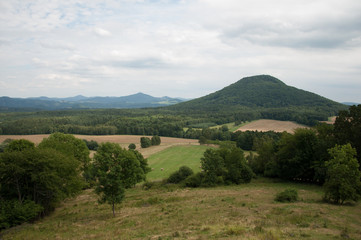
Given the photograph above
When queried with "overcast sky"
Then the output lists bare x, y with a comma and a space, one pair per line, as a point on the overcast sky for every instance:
186, 48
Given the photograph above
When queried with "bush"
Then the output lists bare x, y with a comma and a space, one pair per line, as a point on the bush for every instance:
195, 180
288, 195
132, 146
13, 212
180, 175
145, 142
155, 140
92, 145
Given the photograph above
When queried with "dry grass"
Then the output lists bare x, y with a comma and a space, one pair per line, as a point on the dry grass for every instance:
230, 212
265, 125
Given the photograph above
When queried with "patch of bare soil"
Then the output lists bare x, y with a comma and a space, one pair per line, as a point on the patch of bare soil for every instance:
265, 125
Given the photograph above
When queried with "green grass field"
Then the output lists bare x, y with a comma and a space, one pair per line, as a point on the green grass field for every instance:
172, 158
229, 212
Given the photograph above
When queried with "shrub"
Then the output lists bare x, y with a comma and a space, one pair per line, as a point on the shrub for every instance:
195, 180
155, 140
145, 142
288, 195
13, 212
92, 145
180, 175
132, 146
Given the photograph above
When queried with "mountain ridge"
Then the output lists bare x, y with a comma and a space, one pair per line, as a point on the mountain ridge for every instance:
137, 100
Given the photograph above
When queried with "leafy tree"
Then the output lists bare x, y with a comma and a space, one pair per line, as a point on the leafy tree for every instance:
155, 140
19, 145
145, 142
348, 128
296, 155
68, 145
92, 145
213, 166
343, 176
237, 170
116, 169
36, 179
132, 146
72, 147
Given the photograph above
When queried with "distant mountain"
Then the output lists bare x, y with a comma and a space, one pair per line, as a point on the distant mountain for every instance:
350, 103
138, 100
263, 96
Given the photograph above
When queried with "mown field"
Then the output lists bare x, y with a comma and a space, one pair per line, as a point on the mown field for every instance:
230, 212
264, 125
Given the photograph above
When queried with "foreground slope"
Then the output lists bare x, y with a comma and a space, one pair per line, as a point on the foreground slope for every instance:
229, 212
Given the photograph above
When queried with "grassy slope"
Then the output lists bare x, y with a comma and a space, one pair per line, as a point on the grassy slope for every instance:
230, 212
172, 158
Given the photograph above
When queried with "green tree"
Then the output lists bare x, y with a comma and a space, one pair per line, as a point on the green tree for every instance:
132, 146
237, 170
19, 145
348, 128
145, 142
37, 179
116, 169
213, 166
343, 176
155, 140
72, 147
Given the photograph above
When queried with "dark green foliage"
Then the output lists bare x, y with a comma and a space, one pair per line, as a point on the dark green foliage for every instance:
194, 180
288, 195
117, 169
13, 213
348, 128
19, 145
34, 180
155, 140
343, 175
145, 142
226, 165
92, 145
4, 144
71, 147
132, 146
180, 175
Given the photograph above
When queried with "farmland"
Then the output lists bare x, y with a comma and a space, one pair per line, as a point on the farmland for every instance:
264, 125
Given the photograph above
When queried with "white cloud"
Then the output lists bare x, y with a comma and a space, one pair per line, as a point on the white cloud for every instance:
177, 48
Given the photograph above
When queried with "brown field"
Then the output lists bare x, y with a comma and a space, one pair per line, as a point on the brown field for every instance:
123, 140
264, 125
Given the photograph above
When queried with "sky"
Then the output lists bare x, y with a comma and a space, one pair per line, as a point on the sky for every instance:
177, 48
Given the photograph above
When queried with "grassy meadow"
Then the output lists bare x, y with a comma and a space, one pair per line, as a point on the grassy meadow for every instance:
229, 212
174, 157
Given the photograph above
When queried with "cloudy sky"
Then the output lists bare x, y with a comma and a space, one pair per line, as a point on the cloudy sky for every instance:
178, 48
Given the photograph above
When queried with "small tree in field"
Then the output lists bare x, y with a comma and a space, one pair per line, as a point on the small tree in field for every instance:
117, 169
145, 142
343, 176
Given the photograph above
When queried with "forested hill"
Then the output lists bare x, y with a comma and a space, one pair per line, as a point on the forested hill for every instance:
263, 96
261, 91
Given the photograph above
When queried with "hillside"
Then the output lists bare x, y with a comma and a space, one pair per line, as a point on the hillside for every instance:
263, 96
139, 100
262, 91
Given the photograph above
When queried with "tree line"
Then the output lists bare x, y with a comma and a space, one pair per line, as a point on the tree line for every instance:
35, 179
